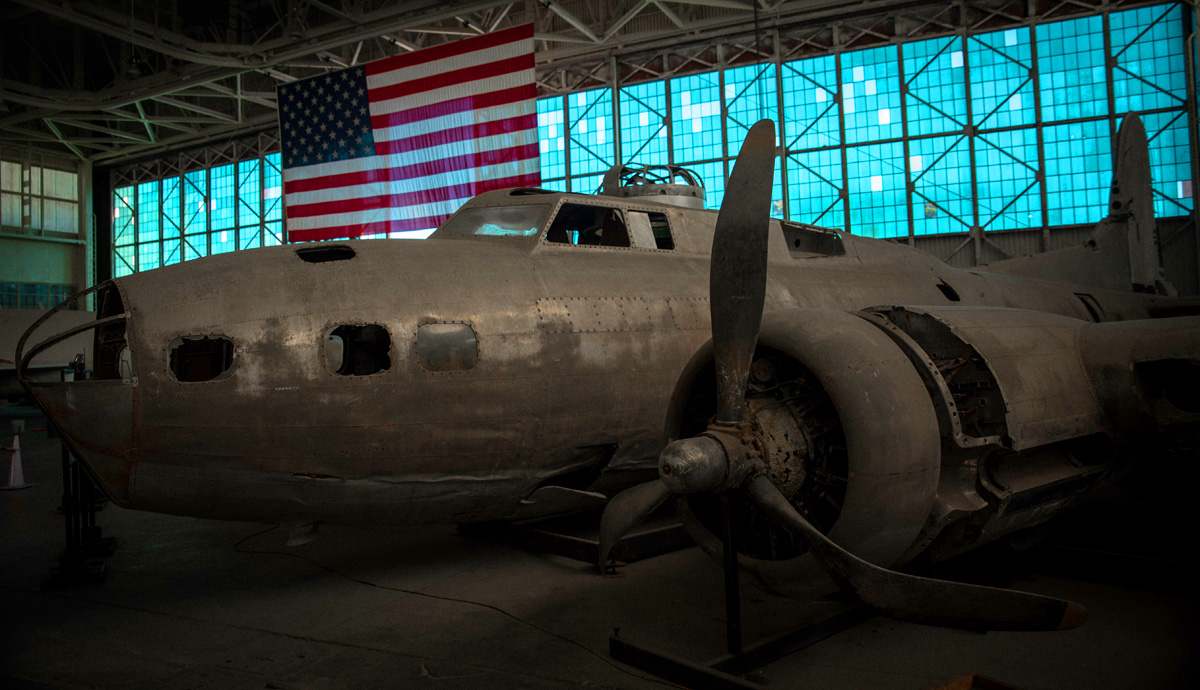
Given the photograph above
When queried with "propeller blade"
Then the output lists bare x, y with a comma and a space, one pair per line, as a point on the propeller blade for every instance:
627, 510
738, 279
919, 599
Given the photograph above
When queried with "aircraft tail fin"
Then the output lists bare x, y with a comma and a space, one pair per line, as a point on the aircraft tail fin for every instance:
1123, 251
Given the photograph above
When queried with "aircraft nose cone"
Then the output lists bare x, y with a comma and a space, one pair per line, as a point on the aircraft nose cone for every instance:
96, 419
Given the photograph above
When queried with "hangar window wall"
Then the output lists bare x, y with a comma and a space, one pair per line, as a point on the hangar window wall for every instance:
1003, 130
203, 212
42, 202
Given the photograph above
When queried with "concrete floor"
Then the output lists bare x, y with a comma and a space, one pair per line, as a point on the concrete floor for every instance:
201, 604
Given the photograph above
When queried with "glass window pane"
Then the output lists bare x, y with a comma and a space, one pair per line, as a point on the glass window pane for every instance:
148, 228
1071, 69
1170, 162
1001, 78
223, 241
871, 95
696, 118
1006, 165
1078, 172
878, 201
940, 170
749, 97
644, 123
10, 176
553, 136
810, 108
815, 188
249, 195
122, 261
148, 255
123, 216
713, 175
10, 210
591, 130
221, 201
935, 72
1149, 71
272, 188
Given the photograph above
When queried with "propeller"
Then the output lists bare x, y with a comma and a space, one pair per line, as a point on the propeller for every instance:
726, 457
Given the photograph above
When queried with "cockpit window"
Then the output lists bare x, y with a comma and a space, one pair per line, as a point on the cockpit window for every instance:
523, 220
196, 358
580, 224
358, 350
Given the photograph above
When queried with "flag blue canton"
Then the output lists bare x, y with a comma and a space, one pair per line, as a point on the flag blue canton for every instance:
326, 118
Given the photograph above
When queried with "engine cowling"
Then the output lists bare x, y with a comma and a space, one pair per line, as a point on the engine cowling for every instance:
907, 430
863, 440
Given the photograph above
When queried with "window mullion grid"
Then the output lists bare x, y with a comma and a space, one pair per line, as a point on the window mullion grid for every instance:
910, 183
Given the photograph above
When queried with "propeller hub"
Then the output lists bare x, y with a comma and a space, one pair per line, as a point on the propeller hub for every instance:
693, 465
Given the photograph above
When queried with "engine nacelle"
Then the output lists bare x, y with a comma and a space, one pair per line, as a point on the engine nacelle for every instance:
861, 434
945, 427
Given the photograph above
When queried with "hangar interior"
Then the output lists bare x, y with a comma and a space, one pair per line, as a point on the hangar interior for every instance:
140, 135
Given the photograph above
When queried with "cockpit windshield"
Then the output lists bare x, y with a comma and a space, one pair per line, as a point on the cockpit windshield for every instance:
522, 220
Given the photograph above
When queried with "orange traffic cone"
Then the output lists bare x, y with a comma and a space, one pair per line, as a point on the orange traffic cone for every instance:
16, 472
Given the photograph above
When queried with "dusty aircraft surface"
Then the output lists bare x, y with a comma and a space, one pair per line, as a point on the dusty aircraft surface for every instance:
868, 402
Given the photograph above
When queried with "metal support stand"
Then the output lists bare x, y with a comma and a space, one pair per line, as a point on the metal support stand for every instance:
722, 672
82, 561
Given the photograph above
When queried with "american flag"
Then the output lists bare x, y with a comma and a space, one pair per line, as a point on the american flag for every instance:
400, 143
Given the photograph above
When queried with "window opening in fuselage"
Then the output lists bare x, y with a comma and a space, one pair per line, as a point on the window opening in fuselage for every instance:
579, 224
354, 350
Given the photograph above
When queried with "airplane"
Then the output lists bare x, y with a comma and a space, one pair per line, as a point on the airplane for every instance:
865, 402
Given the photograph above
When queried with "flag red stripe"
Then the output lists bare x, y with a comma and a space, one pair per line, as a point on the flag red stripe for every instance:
486, 70
420, 196
340, 232
484, 100
407, 172
448, 50
448, 136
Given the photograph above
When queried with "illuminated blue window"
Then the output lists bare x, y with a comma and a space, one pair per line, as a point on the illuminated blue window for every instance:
750, 96
171, 231
195, 215
1170, 162
249, 204
871, 95
1006, 164
591, 131
878, 199
222, 199
644, 123
1078, 172
1071, 69
124, 203
272, 188
553, 137
935, 73
1150, 66
810, 108
149, 226
713, 175
556, 185
696, 118
123, 261
940, 170
1002, 79
815, 188
587, 184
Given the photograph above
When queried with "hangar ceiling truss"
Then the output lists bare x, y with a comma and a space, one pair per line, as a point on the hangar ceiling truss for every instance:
111, 81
